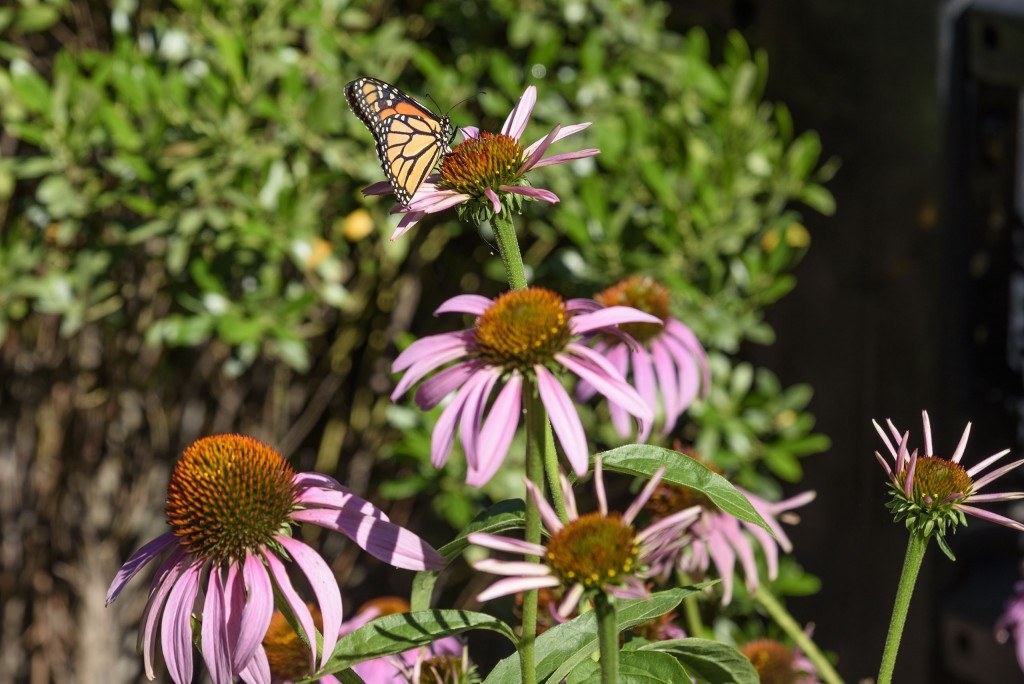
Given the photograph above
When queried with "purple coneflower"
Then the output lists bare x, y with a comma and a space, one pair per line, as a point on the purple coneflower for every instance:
719, 538
595, 552
520, 335
1011, 623
231, 503
288, 656
934, 493
669, 362
777, 663
487, 168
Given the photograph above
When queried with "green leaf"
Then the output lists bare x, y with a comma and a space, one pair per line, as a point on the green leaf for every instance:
501, 517
402, 631
711, 661
680, 469
639, 667
564, 646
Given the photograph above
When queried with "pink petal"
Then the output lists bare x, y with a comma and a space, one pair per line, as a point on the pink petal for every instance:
643, 377
666, 374
216, 650
515, 124
564, 132
321, 579
473, 414
725, 562
928, 451
495, 202
683, 334
992, 517
234, 604
564, 419
885, 439
986, 463
407, 222
580, 324
565, 157
259, 609
470, 132
294, 601
617, 390
547, 513
472, 304
136, 562
996, 474
443, 436
512, 568
537, 151
257, 671
436, 202
497, 542
602, 496
498, 431
642, 499
386, 541
570, 600
444, 382
426, 348
958, 454
533, 193
176, 625
514, 585
379, 188
166, 577
336, 496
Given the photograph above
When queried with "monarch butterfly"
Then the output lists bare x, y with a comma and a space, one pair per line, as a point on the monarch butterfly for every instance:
410, 138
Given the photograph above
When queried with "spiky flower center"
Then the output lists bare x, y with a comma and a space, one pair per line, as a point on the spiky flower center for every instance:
936, 479
229, 495
491, 160
639, 292
593, 550
772, 660
669, 498
523, 328
287, 655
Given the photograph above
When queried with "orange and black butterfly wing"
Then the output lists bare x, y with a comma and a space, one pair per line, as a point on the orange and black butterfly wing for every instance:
410, 138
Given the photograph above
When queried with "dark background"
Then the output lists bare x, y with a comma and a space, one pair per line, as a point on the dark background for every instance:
903, 304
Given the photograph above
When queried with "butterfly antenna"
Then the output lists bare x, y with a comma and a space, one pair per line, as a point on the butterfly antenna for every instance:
471, 97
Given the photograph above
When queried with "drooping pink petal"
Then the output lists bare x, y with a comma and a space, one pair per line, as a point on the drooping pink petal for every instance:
324, 585
532, 157
136, 562
665, 371
514, 585
563, 132
515, 124
176, 625
564, 419
234, 604
473, 415
214, 637
725, 561
474, 305
258, 610
435, 354
507, 544
294, 601
565, 157
683, 334
257, 671
166, 577
643, 377
493, 197
532, 193
583, 304
323, 491
437, 201
386, 541
435, 388
497, 432
443, 436
615, 389
407, 222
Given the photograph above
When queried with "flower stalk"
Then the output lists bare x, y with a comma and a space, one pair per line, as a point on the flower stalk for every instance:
803, 641
508, 248
608, 637
908, 577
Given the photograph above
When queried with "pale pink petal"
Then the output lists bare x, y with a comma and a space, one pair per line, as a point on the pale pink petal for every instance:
257, 671
176, 625
602, 497
436, 201
472, 304
337, 496
1005, 496
214, 633
578, 304
386, 541
532, 193
885, 466
683, 334
644, 496
470, 132
615, 389
514, 585
444, 382
995, 475
324, 585
498, 431
512, 568
137, 561
928, 451
234, 603
419, 370
259, 609
443, 436
294, 601
568, 497
665, 371
885, 439
565, 157
515, 124
643, 378
570, 600
407, 222
497, 542
992, 517
986, 463
547, 513
959, 447
583, 323
725, 562
493, 197
427, 348
166, 577
564, 132
533, 156
564, 419
473, 415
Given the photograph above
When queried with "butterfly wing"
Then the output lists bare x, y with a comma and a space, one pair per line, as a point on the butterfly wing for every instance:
410, 138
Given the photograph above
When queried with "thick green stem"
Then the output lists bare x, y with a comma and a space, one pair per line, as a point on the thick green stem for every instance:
792, 628
508, 247
607, 638
535, 420
911, 566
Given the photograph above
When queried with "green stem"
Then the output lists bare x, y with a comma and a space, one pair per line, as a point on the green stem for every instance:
911, 566
607, 637
508, 247
535, 473
792, 628
551, 468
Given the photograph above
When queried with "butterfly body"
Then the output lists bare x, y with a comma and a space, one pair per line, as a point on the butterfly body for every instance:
410, 138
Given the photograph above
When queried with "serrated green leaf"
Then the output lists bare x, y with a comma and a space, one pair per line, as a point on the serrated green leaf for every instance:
680, 469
